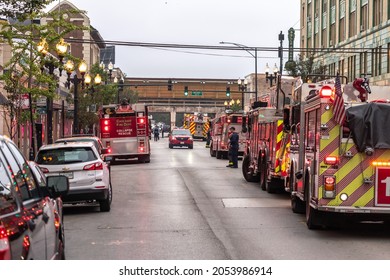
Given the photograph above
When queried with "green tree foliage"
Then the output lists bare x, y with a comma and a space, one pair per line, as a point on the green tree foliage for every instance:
20, 10
304, 67
27, 71
94, 96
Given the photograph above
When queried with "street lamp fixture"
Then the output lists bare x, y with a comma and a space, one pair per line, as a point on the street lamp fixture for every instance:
43, 49
242, 86
271, 77
110, 68
76, 80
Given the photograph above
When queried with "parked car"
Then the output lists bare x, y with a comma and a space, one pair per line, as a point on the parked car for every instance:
31, 225
86, 138
89, 175
181, 137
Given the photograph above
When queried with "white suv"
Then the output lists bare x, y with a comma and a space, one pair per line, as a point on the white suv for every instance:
89, 175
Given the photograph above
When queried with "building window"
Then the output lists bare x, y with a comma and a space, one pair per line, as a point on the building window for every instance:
341, 67
376, 60
352, 24
342, 21
332, 11
377, 12
363, 63
364, 16
351, 67
388, 58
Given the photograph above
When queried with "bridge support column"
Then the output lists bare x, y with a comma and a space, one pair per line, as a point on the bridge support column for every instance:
173, 117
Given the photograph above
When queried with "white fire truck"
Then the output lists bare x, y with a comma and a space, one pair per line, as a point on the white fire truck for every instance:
124, 129
219, 134
339, 171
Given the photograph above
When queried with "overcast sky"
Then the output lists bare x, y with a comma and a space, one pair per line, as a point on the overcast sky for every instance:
254, 23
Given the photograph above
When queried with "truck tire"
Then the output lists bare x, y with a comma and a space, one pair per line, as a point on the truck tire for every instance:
297, 205
262, 173
218, 154
312, 215
275, 185
248, 174
212, 152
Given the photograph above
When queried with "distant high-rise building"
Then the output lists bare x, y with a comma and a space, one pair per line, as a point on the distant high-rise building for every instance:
349, 36
107, 55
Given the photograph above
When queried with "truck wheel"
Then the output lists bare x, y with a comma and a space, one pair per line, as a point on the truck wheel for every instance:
170, 146
312, 215
274, 185
263, 173
297, 205
212, 152
247, 173
218, 154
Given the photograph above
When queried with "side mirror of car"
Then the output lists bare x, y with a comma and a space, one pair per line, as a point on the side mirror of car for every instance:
57, 185
105, 151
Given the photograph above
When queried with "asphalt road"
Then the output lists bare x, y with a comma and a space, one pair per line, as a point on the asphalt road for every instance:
186, 205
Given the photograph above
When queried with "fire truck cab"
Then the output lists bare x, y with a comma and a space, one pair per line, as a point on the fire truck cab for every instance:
339, 171
124, 129
219, 134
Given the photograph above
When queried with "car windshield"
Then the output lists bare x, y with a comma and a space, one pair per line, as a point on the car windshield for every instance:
65, 156
181, 132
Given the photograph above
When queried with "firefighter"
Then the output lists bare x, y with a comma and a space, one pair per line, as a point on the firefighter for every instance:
233, 148
208, 137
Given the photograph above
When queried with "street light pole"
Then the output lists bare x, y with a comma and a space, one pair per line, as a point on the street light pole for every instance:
246, 48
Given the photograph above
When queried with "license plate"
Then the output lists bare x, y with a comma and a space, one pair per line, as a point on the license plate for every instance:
67, 174
181, 143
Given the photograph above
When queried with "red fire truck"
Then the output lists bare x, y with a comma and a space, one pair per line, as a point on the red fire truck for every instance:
339, 171
267, 148
124, 129
219, 135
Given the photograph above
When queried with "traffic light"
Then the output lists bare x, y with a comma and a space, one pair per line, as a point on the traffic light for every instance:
228, 91
169, 84
185, 90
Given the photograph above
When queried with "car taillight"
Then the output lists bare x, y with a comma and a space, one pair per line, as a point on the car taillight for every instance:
94, 166
57, 220
44, 169
5, 250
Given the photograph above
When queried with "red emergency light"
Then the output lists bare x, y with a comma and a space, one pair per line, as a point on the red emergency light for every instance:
141, 120
331, 160
326, 92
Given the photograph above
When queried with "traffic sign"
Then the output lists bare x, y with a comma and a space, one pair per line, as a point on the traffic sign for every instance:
382, 191
196, 93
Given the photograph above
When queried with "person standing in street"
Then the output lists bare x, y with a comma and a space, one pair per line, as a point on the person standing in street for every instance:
233, 148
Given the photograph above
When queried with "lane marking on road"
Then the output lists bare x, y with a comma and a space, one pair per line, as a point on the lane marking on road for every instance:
255, 202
